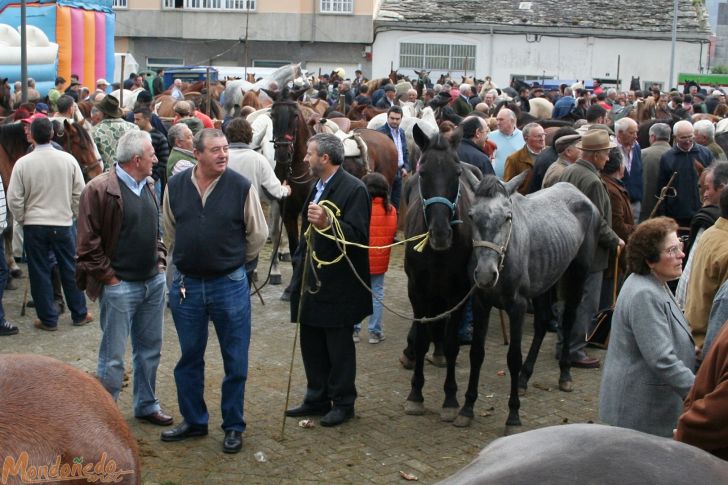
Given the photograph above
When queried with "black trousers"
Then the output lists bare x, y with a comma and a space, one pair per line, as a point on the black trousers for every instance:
329, 358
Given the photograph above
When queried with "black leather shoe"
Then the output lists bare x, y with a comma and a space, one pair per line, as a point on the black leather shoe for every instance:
307, 409
337, 416
158, 418
182, 432
233, 441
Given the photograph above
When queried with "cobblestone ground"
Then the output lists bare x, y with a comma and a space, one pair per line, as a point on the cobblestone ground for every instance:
372, 448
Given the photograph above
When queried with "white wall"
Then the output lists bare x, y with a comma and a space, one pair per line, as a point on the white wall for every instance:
559, 57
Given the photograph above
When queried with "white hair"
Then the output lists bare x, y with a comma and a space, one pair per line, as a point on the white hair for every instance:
130, 145
681, 124
623, 124
705, 128
464, 87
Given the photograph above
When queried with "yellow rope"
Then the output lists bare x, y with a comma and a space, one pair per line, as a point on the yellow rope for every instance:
335, 232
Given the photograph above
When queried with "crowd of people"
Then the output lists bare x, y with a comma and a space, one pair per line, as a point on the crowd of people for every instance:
164, 199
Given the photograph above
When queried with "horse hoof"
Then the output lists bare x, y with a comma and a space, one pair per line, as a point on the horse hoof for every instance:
276, 279
286, 258
406, 362
286, 296
448, 414
16, 273
437, 360
462, 421
512, 429
566, 386
413, 408
521, 391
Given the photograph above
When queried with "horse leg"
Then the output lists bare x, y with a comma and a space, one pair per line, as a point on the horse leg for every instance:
515, 315
452, 347
276, 226
575, 278
291, 224
415, 401
541, 312
481, 314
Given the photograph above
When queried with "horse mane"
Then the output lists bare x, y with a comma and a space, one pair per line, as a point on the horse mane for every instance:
13, 140
490, 187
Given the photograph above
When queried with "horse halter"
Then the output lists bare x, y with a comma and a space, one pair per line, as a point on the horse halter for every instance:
501, 250
440, 200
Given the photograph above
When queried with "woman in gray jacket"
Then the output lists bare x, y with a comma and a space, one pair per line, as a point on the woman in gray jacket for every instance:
650, 363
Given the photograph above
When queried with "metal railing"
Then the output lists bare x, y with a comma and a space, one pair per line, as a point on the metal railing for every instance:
120, 4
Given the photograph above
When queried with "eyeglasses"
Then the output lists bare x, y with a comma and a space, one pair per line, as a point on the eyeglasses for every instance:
676, 249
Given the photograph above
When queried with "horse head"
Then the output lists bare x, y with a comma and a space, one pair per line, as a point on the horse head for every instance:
439, 186
76, 140
290, 131
492, 216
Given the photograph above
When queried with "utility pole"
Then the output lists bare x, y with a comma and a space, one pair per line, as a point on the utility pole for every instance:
23, 52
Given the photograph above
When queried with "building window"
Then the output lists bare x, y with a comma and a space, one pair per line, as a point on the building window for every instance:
337, 6
239, 5
120, 4
440, 57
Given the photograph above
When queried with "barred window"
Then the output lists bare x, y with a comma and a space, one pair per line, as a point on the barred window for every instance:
208, 4
440, 57
120, 4
337, 6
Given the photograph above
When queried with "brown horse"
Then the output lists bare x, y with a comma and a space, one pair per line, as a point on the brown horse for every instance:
60, 419
290, 136
74, 139
6, 99
13, 145
252, 99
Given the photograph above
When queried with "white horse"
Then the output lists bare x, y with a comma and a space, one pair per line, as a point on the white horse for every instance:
235, 90
130, 98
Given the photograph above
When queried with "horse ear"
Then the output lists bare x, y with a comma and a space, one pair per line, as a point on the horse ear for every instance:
272, 94
516, 182
421, 139
455, 139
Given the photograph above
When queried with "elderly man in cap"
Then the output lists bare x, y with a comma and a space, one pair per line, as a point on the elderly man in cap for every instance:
568, 155
389, 99
107, 133
584, 175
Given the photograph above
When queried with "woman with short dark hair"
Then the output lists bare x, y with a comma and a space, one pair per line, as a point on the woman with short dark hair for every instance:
650, 362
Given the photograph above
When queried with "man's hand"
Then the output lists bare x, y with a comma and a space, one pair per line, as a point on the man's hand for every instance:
317, 216
288, 188
621, 243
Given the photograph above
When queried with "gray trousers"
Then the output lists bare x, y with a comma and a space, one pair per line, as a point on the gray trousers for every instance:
588, 307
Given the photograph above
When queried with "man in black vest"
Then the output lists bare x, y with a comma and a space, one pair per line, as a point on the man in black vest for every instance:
121, 258
327, 314
214, 218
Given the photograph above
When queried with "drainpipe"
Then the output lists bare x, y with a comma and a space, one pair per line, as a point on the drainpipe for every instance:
313, 22
490, 60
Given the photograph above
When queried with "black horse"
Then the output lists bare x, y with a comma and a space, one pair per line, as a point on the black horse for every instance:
438, 198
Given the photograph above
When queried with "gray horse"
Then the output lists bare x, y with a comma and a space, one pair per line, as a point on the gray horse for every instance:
522, 247
590, 453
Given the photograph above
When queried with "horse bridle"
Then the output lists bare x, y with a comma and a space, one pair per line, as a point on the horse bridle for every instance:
501, 250
440, 200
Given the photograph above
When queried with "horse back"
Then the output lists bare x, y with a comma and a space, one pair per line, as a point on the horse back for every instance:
51, 409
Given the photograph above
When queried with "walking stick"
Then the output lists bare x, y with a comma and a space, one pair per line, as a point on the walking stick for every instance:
25, 296
663, 194
503, 327
304, 277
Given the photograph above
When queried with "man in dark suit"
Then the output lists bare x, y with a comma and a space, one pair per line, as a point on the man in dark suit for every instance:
461, 106
389, 99
393, 131
327, 311
475, 131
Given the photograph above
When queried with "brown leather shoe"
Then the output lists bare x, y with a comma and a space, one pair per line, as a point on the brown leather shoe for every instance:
42, 326
86, 320
586, 363
158, 418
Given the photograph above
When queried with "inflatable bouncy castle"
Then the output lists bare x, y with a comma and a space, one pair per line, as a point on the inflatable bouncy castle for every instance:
63, 37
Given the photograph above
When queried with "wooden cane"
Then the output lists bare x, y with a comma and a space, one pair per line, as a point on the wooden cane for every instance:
25, 296
503, 327
663, 194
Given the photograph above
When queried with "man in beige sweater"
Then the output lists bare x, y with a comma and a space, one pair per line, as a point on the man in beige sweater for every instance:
43, 197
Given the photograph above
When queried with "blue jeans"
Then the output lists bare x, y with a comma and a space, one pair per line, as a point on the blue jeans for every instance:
226, 301
133, 308
375, 320
38, 242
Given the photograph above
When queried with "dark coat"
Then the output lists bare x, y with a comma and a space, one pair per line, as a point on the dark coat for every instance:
341, 300
403, 140
469, 152
633, 179
622, 218
687, 202
462, 107
542, 164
